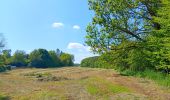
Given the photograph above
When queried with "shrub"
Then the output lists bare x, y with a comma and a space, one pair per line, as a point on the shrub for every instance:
95, 62
3, 68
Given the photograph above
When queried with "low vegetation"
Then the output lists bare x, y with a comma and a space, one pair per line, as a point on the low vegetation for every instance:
102, 88
160, 78
76, 83
4, 97
45, 77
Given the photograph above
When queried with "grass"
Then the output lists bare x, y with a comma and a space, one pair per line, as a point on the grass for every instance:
42, 95
73, 83
158, 77
4, 97
101, 87
44, 77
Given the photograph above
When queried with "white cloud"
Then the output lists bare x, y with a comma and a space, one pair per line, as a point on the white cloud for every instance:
57, 25
75, 46
78, 46
79, 51
28, 51
77, 27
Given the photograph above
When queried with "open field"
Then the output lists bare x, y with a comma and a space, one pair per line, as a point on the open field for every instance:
75, 83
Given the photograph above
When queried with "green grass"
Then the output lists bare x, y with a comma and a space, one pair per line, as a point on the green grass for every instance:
4, 97
158, 77
101, 87
92, 89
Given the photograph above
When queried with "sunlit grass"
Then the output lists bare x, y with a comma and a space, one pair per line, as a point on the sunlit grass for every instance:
71, 84
4, 97
42, 95
101, 87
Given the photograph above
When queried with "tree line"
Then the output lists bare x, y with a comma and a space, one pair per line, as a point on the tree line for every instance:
131, 34
38, 58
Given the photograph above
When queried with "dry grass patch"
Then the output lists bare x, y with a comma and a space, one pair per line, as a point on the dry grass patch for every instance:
45, 77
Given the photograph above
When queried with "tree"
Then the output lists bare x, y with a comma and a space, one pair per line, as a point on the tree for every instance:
115, 20
40, 58
67, 59
2, 41
19, 59
6, 54
134, 32
2, 45
159, 40
55, 59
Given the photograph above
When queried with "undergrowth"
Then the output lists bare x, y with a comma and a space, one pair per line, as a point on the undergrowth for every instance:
160, 78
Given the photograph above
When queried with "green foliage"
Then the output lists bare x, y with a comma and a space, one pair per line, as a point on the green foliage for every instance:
115, 20
102, 88
67, 59
3, 68
3, 97
159, 40
40, 58
160, 78
131, 34
6, 55
55, 59
19, 59
95, 62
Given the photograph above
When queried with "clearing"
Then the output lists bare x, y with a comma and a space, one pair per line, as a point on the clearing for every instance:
76, 83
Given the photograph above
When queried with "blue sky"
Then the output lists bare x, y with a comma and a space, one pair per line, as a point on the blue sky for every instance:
49, 24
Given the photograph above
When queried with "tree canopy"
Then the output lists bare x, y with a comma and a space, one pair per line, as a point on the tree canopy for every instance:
135, 33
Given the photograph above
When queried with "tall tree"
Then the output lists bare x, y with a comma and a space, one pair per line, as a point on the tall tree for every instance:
159, 40
40, 58
67, 59
134, 32
19, 59
6, 54
115, 20
55, 59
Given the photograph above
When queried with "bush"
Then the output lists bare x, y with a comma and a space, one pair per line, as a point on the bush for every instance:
160, 78
4, 97
95, 62
3, 68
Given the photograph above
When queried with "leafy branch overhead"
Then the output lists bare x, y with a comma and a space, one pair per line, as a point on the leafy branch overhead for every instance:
115, 20
131, 30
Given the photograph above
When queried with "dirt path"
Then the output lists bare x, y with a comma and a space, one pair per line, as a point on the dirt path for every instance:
74, 84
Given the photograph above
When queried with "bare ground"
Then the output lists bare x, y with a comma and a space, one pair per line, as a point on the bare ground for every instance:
70, 83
